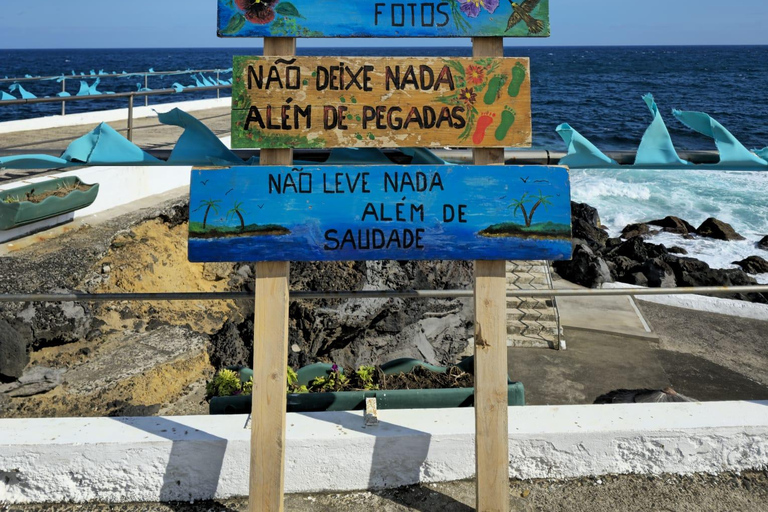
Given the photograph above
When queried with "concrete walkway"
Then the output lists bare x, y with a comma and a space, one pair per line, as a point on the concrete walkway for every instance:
148, 134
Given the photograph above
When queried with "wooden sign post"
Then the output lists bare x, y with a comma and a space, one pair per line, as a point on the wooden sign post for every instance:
282, 102
270, 355
491, 429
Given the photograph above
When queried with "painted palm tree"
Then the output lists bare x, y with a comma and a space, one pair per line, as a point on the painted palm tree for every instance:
519, 204
237, 210
210, 204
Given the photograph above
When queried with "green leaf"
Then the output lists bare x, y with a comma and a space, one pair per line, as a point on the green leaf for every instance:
288, 9
236, 23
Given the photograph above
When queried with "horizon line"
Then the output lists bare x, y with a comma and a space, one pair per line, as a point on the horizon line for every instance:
469, 46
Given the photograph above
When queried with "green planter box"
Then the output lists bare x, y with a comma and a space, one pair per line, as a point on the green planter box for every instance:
21, 212
355, 400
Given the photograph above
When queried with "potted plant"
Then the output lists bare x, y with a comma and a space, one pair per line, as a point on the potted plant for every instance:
45, 199
314, 388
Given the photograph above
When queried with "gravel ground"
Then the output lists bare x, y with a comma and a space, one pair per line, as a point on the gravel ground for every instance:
725, 492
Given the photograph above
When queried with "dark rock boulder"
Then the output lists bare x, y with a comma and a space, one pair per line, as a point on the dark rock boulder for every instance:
586, 213
13, 353
753, 265
585, 268
586, 225
677, 250
633, 230
713, 228
591, 235
55, 323
638, 250
658, 273
232, 345
622, 266
673, 224
763, 243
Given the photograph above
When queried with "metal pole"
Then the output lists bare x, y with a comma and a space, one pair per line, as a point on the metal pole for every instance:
146, 86
63, 102
374, 294
130, 117
218, 82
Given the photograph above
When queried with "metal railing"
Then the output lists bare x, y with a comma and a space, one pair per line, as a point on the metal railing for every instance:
130, 95
373, 294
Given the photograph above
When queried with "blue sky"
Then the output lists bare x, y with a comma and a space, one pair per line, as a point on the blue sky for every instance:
192, 23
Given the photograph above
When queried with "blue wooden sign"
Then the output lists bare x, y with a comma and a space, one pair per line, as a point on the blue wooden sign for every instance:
338, 213
377, 18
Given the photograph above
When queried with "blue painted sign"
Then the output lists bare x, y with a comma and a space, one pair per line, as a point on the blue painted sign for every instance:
383, 18
339, 213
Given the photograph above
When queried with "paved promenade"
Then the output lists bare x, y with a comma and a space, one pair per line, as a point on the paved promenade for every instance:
148, 134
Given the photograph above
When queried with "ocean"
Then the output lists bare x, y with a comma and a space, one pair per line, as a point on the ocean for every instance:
595, 89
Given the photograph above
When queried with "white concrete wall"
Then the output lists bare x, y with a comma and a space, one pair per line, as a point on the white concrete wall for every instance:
107, 116
185, 458
708, 304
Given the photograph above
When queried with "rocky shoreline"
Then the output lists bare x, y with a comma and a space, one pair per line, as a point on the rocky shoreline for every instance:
49, 350
599, 258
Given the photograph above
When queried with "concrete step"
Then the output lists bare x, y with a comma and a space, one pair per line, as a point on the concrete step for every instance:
526, 281
544, 330
529, 303
532, 315
529, 342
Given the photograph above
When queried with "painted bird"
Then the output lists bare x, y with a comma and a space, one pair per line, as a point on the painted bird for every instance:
522, 12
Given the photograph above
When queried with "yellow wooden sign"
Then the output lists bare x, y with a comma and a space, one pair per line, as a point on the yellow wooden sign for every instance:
324, 102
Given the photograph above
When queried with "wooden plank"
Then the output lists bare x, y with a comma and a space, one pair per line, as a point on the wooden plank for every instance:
323, 102
376, 18
337, 213
270, 357
491, 421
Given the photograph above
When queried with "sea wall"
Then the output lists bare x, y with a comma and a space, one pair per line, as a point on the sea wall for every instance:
199, 457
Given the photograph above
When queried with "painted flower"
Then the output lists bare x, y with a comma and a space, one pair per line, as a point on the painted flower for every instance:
475, 74
468, 95
472, 7
260, 12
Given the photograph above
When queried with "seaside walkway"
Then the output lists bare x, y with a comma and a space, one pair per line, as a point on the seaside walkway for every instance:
148, 133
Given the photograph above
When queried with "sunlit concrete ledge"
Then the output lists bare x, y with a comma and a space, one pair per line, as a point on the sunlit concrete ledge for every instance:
189, 458
730, 307
107, 116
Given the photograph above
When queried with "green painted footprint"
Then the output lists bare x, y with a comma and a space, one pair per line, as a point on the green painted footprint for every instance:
518, 77
507, 120
494, 89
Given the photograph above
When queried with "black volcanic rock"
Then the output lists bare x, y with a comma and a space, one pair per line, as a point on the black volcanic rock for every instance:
658, 273
585, 268
753, 265
13, 352
673, 224
763, 243
633, 230
713, 228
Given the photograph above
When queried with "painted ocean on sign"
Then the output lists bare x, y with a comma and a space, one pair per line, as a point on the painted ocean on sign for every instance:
376, 18
341, 213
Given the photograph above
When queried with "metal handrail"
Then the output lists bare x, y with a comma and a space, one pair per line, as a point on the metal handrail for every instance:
130, 95
113, 75
372, 294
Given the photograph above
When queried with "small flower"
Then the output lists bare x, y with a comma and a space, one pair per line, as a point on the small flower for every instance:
260, 12
472, 7
475, 74
468, 95
335, 368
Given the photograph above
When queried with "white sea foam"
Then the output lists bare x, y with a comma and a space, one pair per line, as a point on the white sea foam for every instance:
625, 196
